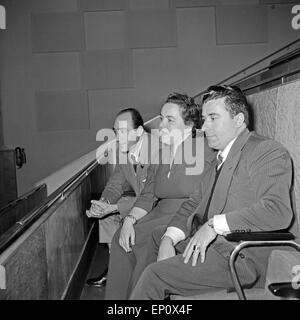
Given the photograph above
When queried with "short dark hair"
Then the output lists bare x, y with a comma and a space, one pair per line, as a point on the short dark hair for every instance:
136, 117
190, 111
235, 100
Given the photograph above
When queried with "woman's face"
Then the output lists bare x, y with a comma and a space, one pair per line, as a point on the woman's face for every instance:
172, 124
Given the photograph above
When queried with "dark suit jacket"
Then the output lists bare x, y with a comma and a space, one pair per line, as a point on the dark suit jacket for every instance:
253, 190
125, 179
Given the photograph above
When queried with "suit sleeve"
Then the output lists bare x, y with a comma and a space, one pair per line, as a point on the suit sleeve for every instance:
187, 208
125, 204
147, 198
270, 174
116, 185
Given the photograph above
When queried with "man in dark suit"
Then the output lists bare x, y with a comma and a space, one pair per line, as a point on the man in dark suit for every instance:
247, 189
126, 181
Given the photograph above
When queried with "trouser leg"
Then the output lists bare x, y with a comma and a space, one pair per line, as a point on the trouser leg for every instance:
173, 276
147, 254
119, 271
108, 227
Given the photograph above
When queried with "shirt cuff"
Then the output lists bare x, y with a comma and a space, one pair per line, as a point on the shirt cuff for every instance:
220, 224
175, 234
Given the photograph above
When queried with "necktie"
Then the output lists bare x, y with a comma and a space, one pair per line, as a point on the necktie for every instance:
219, 161
133, 161
196, 220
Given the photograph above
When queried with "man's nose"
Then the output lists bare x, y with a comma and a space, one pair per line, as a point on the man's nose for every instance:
205, 125
162, 124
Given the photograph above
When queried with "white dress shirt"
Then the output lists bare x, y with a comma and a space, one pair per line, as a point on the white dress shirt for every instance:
135, 150
220, 223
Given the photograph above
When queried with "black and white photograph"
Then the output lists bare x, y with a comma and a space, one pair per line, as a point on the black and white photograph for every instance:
150, 154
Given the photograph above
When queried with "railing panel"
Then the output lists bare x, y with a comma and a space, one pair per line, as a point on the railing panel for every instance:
26, 269
41, 262
277, 115
66, 232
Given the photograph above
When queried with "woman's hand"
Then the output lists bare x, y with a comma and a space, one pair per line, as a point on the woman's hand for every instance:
127, 235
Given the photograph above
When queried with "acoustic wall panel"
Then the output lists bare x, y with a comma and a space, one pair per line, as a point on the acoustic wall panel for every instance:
145, 4
241, 24
106, 5
107, 69
57, 32
105, 30
51, 6
56, 71
280, 28
152, 28
105, 104
62, 110
193, 3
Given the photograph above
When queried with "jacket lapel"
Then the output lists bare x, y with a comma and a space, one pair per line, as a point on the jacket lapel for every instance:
207, 180
149, 151
219, 198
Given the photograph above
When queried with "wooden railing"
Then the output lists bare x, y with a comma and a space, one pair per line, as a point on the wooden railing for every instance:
43, 251
14, 211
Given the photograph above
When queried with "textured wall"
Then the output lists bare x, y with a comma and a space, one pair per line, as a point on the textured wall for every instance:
277, 115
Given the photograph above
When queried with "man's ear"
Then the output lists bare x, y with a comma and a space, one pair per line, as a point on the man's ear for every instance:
239, 119
139, 131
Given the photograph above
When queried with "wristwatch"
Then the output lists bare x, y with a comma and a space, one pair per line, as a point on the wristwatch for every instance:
104, 200
130, 216
210, 223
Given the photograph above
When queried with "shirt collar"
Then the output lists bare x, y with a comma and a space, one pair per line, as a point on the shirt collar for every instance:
226, 150
135, 150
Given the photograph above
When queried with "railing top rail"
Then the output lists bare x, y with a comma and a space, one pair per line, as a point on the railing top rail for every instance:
22, 197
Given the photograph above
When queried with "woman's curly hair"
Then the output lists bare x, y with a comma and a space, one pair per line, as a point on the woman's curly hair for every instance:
190, 110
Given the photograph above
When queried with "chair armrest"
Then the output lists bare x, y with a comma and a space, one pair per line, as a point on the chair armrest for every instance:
284, 290
259, 236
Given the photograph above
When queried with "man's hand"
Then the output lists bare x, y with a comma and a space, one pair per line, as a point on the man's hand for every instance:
199, 243
100, 208
166, 249
127, 235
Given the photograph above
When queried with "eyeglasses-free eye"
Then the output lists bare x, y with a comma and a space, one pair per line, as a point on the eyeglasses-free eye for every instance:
122, 130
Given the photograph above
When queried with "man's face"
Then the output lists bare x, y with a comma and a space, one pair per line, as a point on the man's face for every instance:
126, 134
172, 123
220, 128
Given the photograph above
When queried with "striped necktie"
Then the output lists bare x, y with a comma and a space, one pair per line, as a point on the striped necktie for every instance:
219, 161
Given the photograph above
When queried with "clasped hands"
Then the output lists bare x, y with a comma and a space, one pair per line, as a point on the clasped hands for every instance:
100, 208
196, 246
